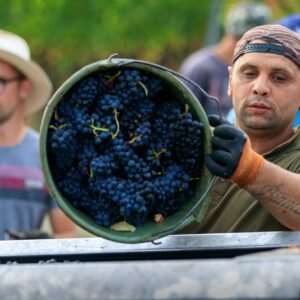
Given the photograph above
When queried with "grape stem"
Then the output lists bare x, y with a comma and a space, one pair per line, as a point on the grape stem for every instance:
58, 127
195, 178
113, 77
114, 135
144, 88
56, 117
95, 128
157, 154
186, 108
134, 139
91, 172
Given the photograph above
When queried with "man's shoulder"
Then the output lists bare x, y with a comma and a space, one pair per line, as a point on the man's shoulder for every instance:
202, 57
32, 133
201, 54
32, 136
287, 155
24, 154
30, 143
293, 144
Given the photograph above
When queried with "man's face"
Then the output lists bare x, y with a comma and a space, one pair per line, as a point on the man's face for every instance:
9, 93
265, 90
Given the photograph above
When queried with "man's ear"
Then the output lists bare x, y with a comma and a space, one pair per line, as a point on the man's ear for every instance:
229, 91
25, 88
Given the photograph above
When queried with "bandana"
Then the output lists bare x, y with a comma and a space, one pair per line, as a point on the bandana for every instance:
275, 39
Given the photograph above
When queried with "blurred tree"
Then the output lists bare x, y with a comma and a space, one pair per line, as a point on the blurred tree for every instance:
65, 35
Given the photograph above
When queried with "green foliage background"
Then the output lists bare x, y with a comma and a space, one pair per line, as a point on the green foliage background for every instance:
65, 35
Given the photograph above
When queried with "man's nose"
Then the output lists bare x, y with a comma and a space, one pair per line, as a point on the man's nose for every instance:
261, 86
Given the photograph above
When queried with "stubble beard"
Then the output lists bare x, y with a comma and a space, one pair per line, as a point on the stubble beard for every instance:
5, 115
258, 122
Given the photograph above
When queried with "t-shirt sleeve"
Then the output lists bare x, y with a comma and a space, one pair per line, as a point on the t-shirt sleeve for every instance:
289, 159
295, 166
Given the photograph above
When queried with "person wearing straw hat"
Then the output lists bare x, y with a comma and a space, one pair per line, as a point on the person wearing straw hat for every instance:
258, 161
24, 89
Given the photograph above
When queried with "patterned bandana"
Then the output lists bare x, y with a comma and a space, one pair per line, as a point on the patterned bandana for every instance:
275, 39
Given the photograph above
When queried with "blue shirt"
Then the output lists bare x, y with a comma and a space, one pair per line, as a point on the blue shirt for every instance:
24, 199
208, 71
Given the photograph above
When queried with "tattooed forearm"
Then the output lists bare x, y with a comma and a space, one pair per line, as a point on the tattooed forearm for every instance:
275, 195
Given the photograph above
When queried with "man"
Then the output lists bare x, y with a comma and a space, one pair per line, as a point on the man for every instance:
259, 163
24, 89
208, 67
293, 23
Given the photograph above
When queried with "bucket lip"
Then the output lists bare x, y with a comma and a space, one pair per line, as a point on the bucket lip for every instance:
72, 212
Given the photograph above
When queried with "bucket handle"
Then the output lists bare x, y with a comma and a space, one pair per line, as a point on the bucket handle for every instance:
176, 74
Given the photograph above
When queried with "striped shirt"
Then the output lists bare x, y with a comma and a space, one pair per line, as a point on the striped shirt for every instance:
24, 200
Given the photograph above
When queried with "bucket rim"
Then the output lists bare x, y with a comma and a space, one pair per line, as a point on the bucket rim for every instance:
79, 217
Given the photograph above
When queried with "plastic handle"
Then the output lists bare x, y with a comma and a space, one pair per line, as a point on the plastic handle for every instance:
176, 74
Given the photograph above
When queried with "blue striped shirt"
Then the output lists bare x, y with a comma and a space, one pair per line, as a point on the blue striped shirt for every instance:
24, 199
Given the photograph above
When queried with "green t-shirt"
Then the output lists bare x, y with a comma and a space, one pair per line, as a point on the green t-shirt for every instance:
233, 209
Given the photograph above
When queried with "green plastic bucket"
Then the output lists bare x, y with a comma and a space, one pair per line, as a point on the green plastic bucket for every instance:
192, 210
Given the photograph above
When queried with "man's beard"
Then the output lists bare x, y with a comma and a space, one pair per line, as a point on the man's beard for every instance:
268, 121
5, 115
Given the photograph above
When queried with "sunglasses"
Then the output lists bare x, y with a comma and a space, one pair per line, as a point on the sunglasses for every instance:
5, 81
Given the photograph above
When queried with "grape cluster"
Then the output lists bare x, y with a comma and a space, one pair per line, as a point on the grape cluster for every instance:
122, 147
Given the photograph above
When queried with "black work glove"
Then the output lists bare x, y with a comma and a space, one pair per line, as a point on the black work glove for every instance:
227, 147
232, 155
27, 235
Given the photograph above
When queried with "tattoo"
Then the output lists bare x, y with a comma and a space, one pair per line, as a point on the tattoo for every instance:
274, 195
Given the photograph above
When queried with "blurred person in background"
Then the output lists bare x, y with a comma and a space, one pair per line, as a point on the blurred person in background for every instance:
208, 66
293, 23
24, 200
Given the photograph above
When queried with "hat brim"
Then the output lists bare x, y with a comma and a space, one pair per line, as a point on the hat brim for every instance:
41, 84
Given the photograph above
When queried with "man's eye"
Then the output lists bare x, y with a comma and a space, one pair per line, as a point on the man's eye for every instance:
249, 74
279, 78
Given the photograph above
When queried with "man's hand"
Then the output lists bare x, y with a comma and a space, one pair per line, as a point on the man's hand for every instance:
27, 235
232, 156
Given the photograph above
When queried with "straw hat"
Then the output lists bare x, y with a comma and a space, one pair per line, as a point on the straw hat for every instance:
15, 51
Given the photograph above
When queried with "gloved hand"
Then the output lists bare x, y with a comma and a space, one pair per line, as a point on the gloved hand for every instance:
27, 235
232, 155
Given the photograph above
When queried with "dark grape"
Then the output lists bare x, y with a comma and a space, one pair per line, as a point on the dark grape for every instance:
121, 147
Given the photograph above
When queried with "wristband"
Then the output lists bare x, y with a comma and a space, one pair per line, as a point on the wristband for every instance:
248, 166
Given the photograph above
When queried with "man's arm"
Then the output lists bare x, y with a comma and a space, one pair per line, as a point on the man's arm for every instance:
277, 189
62, 226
